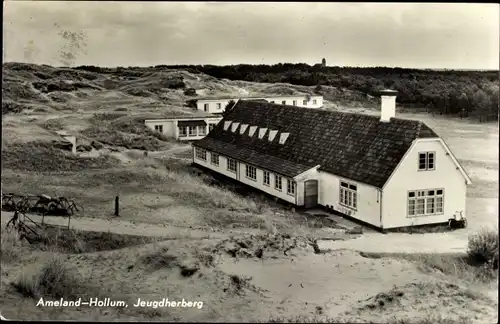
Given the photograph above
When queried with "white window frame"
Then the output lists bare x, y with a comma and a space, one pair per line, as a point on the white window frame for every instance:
159, 128
425, 202
348, 194
426, 161
206, 107
251, 172
183, 131
214, 158
267, 178
290, 187
278, 182
230, 163
314, 102
202, 130
201, 154
283, 102
294, 102
219, 106
304, 102
192, 134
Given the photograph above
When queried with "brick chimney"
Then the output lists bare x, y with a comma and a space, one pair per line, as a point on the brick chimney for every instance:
388, 105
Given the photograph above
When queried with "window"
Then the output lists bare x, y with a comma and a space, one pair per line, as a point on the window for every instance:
192, 131
295, 102
183, 131
425, 202
283, 102
214, 158
426, 161
277, 182
251, 172
267, 178
159, 128
202, 130
314, 101
304, 102
211, 127
290, 187
219, 106
271, 101
201, 154
231, 165
205, 107
348, 194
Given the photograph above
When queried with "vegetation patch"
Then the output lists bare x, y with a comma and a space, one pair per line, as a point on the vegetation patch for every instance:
40, 156
71, 241
53, 280
483, 248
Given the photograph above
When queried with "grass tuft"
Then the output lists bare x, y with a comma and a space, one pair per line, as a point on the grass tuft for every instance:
53, 280
483, 248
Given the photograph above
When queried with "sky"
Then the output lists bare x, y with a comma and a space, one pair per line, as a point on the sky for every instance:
427, 35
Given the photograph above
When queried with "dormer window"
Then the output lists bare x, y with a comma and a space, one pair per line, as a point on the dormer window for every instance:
234, 126
283, 138
262, 132
252, 130
272, 135
243, 128
426, 161
227, 124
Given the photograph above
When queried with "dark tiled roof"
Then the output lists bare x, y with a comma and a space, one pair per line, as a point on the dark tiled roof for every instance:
354, 146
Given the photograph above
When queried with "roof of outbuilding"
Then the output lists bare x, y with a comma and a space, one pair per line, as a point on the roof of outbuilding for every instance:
355, 146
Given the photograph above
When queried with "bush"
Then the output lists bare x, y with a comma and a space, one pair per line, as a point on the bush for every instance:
53, 280
483, 248
53, 124
190, 92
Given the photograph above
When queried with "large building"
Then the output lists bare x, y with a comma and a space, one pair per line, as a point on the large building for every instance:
218, 105
384, 171
184, 127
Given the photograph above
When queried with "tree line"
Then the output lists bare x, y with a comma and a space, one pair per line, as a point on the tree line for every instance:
468, 93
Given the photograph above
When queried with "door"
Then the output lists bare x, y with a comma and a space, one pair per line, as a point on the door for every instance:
310, 193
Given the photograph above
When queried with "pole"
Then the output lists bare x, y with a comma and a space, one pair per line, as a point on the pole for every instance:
117, 206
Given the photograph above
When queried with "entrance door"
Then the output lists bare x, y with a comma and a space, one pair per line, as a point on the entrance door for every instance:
310, 193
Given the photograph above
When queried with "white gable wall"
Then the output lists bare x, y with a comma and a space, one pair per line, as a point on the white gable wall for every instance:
407, 178
368, 198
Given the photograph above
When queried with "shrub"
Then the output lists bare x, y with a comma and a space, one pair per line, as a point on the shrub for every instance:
53, 280
53, 124
190, 92
483, 248
9, 247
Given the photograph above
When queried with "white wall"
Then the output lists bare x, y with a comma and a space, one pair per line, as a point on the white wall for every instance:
289, 101
169, 128
212, 103
368, 198
241, 176
407, 178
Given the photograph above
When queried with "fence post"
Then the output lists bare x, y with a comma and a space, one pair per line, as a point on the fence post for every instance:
117, 206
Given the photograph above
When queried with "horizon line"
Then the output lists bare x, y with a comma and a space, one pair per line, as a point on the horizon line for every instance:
274, 64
